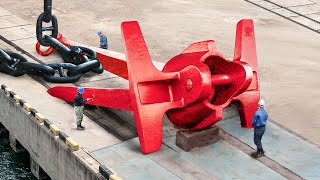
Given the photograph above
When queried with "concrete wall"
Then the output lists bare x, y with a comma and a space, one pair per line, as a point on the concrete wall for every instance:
49, 152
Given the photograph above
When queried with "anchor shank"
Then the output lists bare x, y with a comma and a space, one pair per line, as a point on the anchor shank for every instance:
221, 79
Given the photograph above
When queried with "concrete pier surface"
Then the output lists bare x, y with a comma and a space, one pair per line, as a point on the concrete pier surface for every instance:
287, 54
287, 51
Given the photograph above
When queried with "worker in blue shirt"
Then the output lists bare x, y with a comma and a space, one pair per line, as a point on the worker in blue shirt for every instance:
78, 107
259, 122
103, 40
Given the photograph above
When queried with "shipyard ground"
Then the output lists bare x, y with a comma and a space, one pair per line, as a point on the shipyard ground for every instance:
287, 54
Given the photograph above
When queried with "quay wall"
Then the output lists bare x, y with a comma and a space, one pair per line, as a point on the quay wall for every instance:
47, 150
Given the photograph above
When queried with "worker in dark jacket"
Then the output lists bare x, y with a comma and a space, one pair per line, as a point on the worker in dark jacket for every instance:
78, 107
259, 123
103, 40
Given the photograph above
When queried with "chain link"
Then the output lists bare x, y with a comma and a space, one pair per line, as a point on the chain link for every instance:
75, 54
46, 17
9, 63
16, 65
47, 11
78, 60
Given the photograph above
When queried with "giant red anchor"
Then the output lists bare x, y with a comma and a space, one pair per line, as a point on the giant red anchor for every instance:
192, 89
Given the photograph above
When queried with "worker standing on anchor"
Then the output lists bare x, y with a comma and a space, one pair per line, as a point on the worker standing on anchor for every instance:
259, 123
78, 107
103, 40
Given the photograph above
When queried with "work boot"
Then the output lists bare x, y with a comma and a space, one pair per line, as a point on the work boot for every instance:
79, 127
82, 126
255, 154
258, 153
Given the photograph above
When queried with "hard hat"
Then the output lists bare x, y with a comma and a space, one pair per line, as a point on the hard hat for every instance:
261, 102
80, 89
99, 32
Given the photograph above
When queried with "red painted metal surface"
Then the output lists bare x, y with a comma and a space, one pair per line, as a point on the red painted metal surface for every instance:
245, 51
192, 89
113, 98
43, 53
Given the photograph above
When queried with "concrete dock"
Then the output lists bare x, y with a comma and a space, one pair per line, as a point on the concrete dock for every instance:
291, 151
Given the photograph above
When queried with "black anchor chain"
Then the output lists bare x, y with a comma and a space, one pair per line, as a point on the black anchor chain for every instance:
74, 54
78, 60
16, 65
47, 9
46, 17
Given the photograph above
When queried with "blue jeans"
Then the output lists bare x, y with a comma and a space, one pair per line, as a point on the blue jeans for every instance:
258, 133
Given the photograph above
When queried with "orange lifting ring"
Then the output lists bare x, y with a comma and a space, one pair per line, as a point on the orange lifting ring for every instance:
43, 53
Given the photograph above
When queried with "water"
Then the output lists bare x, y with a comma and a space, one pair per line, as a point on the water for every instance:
13, 166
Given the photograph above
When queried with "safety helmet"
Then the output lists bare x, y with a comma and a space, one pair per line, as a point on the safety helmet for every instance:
80, 89
99, 32
261, 102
